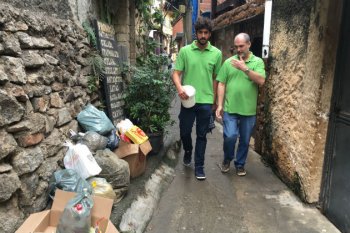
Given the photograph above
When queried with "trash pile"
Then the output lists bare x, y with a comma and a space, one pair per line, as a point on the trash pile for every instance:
98, 165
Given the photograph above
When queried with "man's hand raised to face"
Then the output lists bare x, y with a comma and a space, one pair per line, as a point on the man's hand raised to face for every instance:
239, 64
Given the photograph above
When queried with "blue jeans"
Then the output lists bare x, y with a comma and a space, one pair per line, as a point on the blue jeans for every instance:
237, 125
201, 113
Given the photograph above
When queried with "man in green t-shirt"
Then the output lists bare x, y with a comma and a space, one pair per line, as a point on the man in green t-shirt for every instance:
197, 65
239, 78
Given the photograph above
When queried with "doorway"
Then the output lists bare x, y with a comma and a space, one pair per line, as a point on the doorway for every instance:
336, 186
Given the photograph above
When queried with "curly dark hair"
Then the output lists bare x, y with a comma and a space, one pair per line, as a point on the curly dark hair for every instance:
203, 23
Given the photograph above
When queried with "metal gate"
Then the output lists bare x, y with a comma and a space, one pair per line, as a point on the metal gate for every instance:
336, 185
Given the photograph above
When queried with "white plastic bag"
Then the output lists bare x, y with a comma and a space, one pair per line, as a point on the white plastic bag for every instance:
124, 125
79, 158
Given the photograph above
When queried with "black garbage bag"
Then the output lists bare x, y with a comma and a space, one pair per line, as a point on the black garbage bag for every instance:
113, 140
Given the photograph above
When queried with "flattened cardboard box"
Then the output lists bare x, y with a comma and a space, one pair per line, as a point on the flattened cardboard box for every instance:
46, 221
135, 155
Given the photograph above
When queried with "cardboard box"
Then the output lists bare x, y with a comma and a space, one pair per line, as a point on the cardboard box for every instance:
46, 221
135, 155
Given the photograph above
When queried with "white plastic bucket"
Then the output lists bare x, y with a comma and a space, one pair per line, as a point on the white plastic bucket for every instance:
191, 92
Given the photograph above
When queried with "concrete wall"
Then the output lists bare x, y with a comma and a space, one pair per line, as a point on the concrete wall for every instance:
123, 24
293, 110
298, 91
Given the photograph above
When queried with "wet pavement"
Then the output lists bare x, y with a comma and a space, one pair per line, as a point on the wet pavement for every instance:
227, 203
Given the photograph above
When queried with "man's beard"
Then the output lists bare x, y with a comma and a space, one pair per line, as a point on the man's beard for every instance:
200, 41
243, 55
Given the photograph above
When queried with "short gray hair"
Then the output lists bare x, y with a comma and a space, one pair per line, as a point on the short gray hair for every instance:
245, 36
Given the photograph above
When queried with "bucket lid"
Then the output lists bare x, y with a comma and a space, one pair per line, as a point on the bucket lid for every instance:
190, 91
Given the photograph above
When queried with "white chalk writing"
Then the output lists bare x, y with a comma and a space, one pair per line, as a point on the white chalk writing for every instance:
109, 53
105, 28
106, 43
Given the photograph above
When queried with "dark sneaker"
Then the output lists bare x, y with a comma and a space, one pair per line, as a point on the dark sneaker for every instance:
187, 158
240, 171
225, 166
199, 173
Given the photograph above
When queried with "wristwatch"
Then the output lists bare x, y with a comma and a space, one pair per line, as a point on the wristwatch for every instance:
246, 70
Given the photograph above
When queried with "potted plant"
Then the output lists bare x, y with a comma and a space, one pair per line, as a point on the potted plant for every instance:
149, 90
148, 97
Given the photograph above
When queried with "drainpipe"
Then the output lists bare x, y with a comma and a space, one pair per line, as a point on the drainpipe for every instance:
267, 26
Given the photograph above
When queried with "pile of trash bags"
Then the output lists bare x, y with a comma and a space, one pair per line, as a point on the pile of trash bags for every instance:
82, 172
91, 167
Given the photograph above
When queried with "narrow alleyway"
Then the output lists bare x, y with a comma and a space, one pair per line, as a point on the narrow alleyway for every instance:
226, 203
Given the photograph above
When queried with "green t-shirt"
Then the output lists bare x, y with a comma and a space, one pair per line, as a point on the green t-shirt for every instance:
241, 93
198, 67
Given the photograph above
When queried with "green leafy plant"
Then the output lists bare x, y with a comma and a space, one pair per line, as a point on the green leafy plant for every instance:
147, 18
95, 59
149, 90
157, 18
97, 68
149, 94
90, 34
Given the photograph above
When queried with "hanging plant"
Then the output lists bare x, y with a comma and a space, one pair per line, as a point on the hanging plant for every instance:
94, 58
90, 34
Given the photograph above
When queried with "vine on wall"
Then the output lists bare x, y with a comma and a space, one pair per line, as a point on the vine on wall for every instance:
147, 18
95, 59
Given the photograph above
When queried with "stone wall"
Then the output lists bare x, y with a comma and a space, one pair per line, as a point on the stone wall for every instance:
298, 91
59, 9
80, 11
43, 86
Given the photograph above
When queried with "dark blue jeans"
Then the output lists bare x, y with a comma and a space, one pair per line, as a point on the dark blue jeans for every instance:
237, 125
201, 113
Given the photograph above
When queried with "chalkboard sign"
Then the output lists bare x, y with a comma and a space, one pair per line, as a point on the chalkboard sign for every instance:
113, 56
